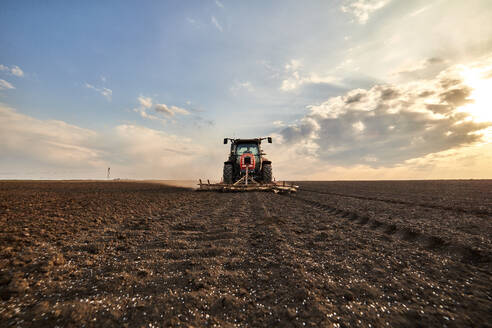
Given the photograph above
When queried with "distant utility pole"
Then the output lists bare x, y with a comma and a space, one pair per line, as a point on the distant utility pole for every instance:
108, 172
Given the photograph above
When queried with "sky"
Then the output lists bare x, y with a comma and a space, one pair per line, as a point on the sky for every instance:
348, 89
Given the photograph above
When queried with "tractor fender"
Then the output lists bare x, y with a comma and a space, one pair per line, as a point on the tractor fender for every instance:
266, 161
228, 162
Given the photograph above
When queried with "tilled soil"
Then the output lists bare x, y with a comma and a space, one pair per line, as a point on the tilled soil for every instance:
334, 255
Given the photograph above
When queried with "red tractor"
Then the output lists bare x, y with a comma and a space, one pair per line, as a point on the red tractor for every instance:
247, 159
247, 169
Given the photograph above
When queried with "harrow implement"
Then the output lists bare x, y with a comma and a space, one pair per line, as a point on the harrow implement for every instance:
247, 184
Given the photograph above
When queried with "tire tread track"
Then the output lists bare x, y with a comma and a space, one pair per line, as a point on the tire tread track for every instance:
430, 242
479, 212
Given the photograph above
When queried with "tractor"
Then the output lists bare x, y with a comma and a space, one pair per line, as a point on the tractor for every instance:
247, 169
247, 159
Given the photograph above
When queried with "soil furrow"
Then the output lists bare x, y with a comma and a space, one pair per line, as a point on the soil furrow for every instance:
479, 212
135, 254
421, 239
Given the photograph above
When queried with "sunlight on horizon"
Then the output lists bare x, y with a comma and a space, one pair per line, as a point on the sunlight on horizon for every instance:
481, 95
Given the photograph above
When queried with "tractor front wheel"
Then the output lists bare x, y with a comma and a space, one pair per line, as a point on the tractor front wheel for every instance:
228, 173
267, 173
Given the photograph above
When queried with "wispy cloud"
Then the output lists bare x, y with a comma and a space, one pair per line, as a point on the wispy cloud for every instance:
296, 77
219, 4
216, 23
420, 10
107, 93
145, 102
13, 70
237, 86
5, 85
422, 69
362, 9
160, 111
170, 110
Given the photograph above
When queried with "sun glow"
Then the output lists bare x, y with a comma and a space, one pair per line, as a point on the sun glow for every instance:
480, 80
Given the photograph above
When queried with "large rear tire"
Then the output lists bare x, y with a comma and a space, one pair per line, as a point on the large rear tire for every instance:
267, 173
228, 173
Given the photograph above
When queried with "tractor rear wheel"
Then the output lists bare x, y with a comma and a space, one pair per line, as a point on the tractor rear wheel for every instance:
267, 173
228, 173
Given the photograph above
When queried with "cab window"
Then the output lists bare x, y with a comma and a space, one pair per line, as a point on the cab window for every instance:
247, 148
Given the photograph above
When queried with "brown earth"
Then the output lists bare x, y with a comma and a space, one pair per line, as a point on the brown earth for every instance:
337, 254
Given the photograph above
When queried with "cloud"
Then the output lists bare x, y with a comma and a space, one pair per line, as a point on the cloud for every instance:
362, 9
387, 125
52, 142
57, 149
216, 23
472, 162
16, 70
162, 111
145, 102
13, 70
154, 145
237, 86
170, 110
152, 154
420, 10
5, 85
423, 69
219, 4
294, 77
107, 93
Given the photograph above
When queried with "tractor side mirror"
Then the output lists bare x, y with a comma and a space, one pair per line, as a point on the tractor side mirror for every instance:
225, 141
269, 139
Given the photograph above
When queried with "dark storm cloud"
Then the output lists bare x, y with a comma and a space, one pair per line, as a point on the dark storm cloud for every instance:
387, 125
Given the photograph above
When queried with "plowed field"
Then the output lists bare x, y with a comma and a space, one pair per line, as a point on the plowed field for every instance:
336, 254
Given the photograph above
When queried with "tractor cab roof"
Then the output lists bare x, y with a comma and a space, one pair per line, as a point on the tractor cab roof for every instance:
249, 141
242, 141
